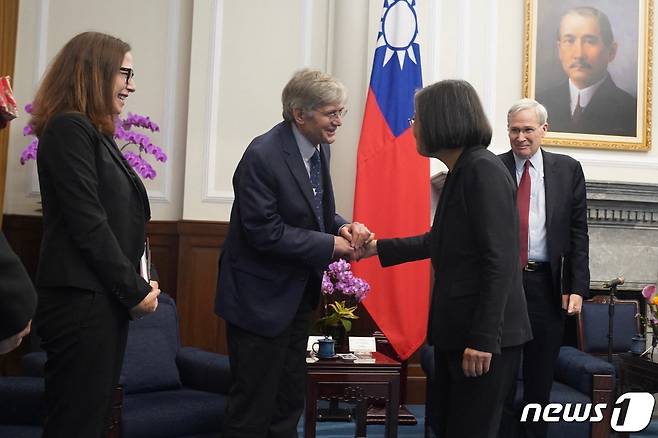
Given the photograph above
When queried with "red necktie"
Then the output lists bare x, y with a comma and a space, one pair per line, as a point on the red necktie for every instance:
523, 205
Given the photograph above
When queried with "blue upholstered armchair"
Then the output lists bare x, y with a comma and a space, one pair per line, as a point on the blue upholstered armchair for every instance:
579, 378
167, 391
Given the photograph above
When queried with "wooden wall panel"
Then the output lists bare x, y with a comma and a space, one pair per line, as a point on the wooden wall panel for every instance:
200, 244
163, 238
24, 235
186, 255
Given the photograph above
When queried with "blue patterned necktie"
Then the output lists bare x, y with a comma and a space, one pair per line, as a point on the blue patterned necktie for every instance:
316, 183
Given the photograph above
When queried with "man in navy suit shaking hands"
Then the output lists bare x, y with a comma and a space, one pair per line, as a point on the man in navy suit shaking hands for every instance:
284, 231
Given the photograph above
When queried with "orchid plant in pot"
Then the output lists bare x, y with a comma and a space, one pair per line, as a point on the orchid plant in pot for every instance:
124, 133
342, 292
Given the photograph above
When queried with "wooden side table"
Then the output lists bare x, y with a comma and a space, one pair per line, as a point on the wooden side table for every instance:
637, 374
355, 383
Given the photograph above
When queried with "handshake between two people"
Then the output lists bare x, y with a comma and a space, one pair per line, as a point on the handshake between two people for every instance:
354, 242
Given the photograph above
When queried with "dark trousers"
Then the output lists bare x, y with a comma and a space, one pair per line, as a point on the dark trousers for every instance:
269, 381
84, 335
471, 407
539, 355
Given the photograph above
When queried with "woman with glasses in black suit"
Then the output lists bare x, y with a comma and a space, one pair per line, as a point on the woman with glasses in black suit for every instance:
94, 213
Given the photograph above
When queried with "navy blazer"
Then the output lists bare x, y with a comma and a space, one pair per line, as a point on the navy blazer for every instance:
18, 300
95, 210
477, 299
274, 246
566, 220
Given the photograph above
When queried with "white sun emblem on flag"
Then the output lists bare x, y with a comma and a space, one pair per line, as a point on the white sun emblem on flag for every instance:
398, 31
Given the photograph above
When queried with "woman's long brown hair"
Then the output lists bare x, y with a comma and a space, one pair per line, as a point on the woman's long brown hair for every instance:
81, 79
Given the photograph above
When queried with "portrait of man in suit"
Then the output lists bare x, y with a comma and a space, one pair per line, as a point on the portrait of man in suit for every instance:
588, 100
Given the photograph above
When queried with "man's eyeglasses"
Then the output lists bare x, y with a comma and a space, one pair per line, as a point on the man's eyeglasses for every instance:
129, 72
335, 115
412, 120
514, 132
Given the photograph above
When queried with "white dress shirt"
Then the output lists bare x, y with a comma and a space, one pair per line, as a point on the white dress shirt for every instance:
537, 249
306, 148
585, 94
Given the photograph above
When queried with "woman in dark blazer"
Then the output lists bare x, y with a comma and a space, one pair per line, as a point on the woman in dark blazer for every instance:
94, 213
478, 319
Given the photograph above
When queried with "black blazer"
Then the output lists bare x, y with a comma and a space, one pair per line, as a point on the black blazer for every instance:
478, 298
274, 245
566, 220
18, 300
611, 111
94, 212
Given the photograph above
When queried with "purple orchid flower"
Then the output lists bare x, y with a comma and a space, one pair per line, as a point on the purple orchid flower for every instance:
649, 290
124, 133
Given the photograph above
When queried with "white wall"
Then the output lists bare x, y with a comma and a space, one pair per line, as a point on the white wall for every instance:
159, 33
211, 72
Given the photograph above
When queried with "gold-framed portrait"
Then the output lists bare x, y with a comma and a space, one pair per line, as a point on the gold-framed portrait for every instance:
589, 62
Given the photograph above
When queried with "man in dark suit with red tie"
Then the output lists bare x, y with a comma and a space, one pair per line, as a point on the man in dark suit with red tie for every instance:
551, 201
284, 231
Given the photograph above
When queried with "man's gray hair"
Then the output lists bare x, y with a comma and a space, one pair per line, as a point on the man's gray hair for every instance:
588, 11
309, 89
531, 104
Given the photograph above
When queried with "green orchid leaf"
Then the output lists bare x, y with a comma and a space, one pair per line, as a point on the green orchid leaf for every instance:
347, 324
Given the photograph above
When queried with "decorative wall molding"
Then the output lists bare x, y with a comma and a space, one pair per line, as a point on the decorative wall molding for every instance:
643, 163
307, 32
464, 41
435, 24
622, 205
212, 195
171, 73
169, 130
490, 82
41, 50
329, 54
41, 40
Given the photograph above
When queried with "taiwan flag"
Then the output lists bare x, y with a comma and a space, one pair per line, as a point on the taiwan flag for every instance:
392, 195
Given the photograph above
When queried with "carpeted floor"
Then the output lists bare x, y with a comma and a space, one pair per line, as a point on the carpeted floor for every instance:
346, 429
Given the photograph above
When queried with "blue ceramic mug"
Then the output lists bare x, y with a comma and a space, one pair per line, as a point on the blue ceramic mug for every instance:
638, 344
325, 348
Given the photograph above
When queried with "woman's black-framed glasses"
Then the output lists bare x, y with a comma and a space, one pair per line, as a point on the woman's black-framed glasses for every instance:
129, 72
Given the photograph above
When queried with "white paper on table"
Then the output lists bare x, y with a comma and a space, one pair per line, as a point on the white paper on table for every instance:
145, 262
364, 344
143, 267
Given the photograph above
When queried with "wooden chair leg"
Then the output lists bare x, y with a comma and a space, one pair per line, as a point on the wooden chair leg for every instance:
114, 427
603, 387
